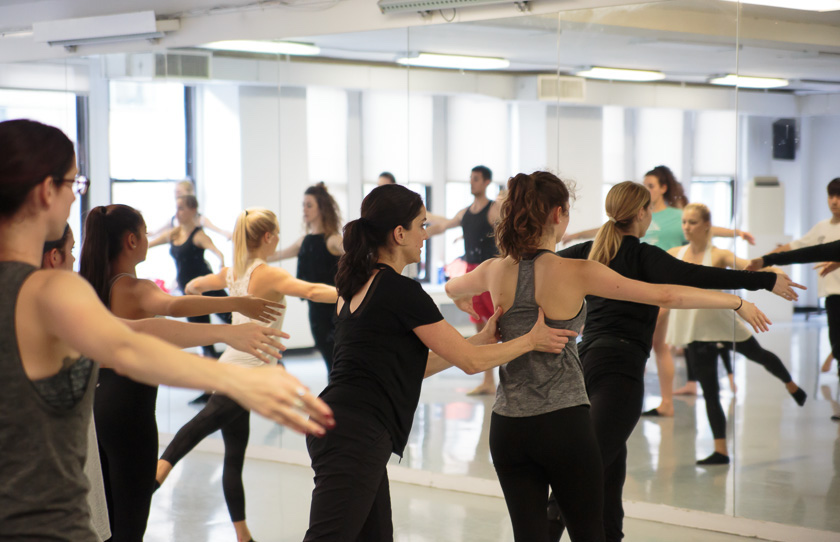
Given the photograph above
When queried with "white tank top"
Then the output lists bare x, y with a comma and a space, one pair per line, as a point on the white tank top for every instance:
239, 287
712, 325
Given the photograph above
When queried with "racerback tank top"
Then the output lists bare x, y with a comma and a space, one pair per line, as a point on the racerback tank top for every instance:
479, 239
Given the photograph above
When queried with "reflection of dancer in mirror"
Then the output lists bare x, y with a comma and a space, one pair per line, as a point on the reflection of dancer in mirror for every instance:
255, 239
618, 335
386, 177
187, 245
52, 326
187, 188
124, 410
317, 253
477, 221
702, 331
541, 435
385, 326
824, 233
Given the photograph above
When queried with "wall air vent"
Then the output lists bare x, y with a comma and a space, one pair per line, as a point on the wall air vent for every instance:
562, 88
406, 6
190, 66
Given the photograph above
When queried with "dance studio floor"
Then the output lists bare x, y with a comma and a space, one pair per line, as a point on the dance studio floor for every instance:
786, 465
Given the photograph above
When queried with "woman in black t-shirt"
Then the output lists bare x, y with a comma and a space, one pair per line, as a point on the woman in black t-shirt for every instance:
385, 326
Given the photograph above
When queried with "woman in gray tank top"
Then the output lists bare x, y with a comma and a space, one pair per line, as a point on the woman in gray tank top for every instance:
540, 433
51, 324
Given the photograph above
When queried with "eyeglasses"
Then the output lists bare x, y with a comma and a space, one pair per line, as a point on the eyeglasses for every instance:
80, 184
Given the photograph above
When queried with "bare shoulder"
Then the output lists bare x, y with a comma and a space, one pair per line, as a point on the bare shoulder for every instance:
722, 257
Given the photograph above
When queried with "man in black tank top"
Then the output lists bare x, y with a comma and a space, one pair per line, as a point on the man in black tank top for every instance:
478, 222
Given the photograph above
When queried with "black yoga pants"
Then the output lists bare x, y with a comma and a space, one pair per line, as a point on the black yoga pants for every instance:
352, 498
223, 413
556, 450
323, 330
124, 413
832, 309
615, 384
725, 357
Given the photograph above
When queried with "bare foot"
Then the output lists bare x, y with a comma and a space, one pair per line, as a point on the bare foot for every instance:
690, 388
483, 389
732, 385
826, 366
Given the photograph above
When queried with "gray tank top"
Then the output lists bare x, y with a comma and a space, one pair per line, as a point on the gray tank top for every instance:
44, 489
537, 382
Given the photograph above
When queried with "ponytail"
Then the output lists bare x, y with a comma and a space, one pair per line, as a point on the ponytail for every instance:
385, 208
103, 243
251, 225
525, 211
624, 201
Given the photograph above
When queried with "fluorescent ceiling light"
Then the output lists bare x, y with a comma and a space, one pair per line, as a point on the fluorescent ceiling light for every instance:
618, 74
455, 62
403, 6
805, 5
265, 47
743, 81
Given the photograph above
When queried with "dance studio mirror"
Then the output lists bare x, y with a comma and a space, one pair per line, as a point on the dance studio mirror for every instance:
256, 129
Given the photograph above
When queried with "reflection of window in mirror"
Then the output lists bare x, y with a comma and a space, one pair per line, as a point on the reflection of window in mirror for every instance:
147, 131
717, 193
326, 132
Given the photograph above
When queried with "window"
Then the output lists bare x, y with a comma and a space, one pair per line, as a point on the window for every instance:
717, 193
55, 109
326, 133
148, 131
659, 140
714, 143
477, 134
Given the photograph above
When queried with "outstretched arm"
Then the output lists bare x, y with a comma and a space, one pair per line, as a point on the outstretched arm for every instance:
161, 239
66, 303
290, 251
252, 338
437, 228
826, 252
585, 234
205, 223
202, 240
283, 283
717, 231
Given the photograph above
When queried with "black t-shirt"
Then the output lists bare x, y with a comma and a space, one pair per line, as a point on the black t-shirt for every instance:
610, 322
379, 361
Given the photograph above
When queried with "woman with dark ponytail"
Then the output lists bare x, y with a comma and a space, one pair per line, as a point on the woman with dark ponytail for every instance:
124, 410
51, 327
318, 252
619, 334
386, 325
541, 435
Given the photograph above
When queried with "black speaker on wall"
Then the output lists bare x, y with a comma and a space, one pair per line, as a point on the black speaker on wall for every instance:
784, 139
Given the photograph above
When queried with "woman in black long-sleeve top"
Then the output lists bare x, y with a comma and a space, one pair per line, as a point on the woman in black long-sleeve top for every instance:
618, 335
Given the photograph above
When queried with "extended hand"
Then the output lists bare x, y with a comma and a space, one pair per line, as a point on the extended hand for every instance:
490, 333
257, 340
827, 267
279, 396
784, 287
257, 308
754, 317
466, 304
755, 264
747, 236
548, 339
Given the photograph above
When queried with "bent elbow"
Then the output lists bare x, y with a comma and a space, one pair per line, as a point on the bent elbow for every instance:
668, 298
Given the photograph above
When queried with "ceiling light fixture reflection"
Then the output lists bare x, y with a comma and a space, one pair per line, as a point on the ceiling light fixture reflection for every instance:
743, 81
804, 5
619, 74
264, 47
454, 62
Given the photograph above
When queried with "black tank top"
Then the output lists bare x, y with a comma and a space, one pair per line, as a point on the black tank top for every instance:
315, 262
479, 241
43, 495
189, 260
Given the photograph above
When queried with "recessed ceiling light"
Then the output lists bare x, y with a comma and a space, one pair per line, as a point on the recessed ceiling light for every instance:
455, 62
805, 5
264, 47
620, 74
744, 81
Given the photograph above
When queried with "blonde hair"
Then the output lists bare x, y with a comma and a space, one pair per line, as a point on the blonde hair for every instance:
624, 201
705, 215
251, 225
187, 186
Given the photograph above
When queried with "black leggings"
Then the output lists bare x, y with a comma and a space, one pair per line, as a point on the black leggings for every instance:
124, 413
557, 450
615, 384
323, 330
352, 498
832, 310
725, 357
222, 413
702, 356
